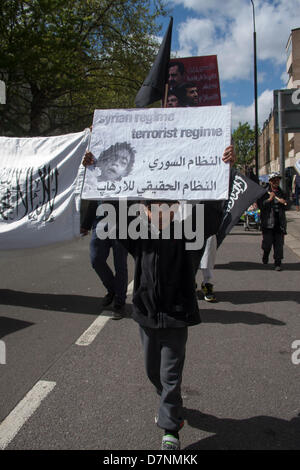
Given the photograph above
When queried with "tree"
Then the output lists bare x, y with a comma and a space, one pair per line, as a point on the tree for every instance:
61, 59
244, 144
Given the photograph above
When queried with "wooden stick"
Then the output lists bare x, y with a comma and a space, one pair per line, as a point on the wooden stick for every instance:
166, 95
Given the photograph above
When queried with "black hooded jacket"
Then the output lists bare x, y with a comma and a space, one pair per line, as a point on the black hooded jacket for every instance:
272, 213
164, 293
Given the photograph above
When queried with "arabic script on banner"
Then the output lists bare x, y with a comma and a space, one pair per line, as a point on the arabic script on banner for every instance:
28, 192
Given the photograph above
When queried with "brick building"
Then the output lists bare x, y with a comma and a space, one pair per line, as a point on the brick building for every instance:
268, 139
293, 70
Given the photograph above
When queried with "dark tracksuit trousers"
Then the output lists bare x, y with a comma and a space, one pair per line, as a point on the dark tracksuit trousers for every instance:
164, 306
164, 355
99, 252
273, 237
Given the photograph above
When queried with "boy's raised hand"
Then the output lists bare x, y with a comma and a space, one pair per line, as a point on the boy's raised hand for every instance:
88, 159
229, 155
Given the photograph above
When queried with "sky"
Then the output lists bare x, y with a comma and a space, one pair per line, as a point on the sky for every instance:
225, 28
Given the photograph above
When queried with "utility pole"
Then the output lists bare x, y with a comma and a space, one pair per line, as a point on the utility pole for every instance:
281, 132
255, 94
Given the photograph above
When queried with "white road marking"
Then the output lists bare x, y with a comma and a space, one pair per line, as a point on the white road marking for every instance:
130, 288
22, 412
90, 334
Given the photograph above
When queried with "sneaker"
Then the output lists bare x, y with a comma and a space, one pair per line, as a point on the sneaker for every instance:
207, 291
118, 311
277, 264
170, 442
107, 300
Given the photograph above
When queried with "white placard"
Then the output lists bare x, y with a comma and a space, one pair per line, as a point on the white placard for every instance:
169, 153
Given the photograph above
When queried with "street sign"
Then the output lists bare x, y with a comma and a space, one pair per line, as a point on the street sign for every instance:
290, 109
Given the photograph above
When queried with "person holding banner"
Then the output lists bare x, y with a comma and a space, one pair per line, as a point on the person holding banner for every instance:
115, 162
187, 94
208, 259
190, 95
165, 302
165, 305
173, 99
115, 284
206, 266
273, 221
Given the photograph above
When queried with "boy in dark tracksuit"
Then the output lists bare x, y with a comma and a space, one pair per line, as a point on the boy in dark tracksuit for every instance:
164, 306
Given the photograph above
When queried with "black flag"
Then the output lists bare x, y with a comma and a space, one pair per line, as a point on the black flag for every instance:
242, 193
153, 88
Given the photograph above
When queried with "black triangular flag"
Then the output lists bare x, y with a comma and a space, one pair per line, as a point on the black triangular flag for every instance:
153, 88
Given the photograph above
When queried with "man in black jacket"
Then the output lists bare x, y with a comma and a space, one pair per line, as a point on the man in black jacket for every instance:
273, 221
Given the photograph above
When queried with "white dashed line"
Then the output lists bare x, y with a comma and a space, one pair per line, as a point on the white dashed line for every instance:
90, 334
22, 412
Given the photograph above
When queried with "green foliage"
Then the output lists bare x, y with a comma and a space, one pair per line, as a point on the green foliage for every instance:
61, 59
244, 144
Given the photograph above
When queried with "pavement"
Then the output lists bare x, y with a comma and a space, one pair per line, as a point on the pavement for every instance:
292, 238
74, 379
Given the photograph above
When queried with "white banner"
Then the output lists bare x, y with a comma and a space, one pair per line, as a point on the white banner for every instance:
159, 153
40, 188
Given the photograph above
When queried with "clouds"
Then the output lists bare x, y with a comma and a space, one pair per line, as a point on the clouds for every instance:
205, 37
194, 30
226, 29
246, 113
204, 6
